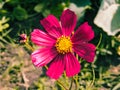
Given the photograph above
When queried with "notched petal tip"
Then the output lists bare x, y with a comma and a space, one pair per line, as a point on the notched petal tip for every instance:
72, 65
85, 51
43, 56
41, 38
84, 33
52, 25
88, 27
68, 21
56, 67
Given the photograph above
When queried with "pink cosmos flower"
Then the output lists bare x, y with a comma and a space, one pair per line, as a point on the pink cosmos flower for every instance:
60, 45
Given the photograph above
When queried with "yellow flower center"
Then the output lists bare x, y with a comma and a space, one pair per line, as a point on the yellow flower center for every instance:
64, 45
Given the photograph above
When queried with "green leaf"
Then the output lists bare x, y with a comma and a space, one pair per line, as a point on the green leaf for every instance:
39, 7
46, 12
108, 17
20, 13
13, 2
57, 10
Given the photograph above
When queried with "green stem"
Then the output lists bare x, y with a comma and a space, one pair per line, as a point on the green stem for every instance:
46, 67
29, 47
76, 82
71, 83
89, 87
60, 84
77, 56
99, 41
93, 77
66, 79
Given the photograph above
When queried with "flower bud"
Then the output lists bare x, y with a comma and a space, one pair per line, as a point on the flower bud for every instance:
22, 38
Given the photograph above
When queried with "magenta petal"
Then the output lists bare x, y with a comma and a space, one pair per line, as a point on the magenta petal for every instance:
52, 26
83, 33
43, 56
41, 38
56, 67
72, 66
68, 20
85, 50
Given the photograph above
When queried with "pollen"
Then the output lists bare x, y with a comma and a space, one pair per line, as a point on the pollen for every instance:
64, 44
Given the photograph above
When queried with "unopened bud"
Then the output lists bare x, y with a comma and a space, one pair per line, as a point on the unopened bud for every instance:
22, 38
